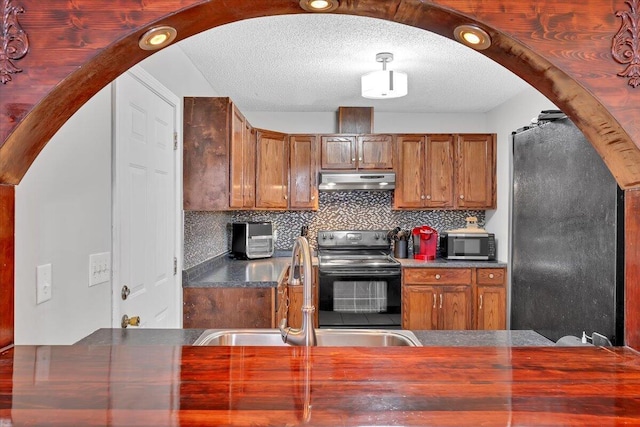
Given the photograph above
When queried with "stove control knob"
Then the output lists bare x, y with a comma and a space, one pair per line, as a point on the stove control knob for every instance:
331, 236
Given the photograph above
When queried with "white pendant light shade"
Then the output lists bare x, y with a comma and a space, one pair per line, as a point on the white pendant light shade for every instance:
384, 84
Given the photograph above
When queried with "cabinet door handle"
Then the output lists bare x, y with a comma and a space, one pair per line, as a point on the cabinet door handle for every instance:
480, 308
440, 300
490, 275
437, 277
462, 196
428, 197
422, 197
434, 300
359, 159
353, 159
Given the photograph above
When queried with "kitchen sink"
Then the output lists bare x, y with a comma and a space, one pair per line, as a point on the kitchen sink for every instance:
325, 338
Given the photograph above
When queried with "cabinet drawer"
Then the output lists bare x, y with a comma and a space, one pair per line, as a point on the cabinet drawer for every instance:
437, 276
491, 276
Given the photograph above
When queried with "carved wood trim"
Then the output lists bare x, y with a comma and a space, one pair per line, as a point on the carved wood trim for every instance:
625, 47
14, 43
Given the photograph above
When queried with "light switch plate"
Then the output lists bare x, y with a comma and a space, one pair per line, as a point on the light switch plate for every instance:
99, 268
44, 283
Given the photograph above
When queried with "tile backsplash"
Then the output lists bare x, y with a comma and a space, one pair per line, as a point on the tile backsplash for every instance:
206, 234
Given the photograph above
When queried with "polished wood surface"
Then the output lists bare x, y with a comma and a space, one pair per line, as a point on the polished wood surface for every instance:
436, 276
632, 268
7, 257
196, 386
303, 170
228, 308
206, 154
355, 119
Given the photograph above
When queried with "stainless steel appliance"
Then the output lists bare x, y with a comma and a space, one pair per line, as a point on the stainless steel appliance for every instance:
480, 246
359, 281
361, 180
251, 240
567, 242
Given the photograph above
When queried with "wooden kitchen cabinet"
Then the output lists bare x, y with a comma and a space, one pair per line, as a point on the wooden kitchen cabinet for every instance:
476, 171
303, 168
206, 153
445, 171
290, 298
242, 174
350, 152
437, 298
338, 152
424, 172
374, 152
491, 298
213, 308
272, 171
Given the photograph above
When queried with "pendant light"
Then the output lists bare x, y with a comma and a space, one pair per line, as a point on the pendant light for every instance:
384, 84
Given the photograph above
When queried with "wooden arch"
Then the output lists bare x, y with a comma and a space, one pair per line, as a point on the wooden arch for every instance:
561, 47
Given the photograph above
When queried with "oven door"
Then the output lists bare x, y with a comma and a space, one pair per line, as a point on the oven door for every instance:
359, 299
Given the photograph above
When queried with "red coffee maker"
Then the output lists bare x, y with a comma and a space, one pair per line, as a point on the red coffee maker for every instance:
425, 242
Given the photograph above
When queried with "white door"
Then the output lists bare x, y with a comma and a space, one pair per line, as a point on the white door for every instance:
145, 201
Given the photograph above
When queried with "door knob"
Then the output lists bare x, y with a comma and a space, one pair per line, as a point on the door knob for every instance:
130, 321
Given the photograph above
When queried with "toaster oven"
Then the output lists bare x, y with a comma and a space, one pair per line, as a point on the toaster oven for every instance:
251, 240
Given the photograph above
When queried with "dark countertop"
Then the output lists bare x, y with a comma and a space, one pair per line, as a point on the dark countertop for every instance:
182, 337
320, 386
226, 272
445, 263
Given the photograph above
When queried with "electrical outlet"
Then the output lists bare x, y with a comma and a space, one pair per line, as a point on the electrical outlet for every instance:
99, 268
44, 283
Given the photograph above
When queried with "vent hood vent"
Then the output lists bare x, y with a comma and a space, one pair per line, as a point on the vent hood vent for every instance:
334, 181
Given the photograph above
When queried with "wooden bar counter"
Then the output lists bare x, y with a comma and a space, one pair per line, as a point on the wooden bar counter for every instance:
208, 386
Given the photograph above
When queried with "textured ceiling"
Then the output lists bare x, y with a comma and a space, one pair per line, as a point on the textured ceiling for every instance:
313, 62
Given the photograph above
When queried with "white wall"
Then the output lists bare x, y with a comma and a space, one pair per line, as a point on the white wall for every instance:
503, 120
63, 214
327, 122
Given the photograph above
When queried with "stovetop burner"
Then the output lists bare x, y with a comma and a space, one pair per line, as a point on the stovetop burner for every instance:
360, 249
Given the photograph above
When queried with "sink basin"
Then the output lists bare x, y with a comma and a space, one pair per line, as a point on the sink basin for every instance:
325, 338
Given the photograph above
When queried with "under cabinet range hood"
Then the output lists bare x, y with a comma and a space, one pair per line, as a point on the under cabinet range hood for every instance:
335, 181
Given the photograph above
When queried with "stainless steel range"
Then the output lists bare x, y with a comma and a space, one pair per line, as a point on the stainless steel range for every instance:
359, 281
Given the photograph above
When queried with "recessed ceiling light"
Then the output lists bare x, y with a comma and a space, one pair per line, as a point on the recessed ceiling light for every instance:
319, 5
472, 36
157, 38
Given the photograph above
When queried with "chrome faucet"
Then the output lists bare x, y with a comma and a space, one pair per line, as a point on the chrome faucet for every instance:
301, 258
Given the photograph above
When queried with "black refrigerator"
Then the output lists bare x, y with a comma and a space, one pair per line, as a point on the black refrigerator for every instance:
567, 234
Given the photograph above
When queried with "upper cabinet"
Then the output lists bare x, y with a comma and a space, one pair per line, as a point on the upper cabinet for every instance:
206, 154
424, 172
242, 163
272, 172
351, 152
476, 171
445, 171
229, 165
303, 167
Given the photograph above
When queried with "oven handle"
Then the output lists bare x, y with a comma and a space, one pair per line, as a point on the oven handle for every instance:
353, 273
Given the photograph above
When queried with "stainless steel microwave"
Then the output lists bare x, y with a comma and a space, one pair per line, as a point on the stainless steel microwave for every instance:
469, 246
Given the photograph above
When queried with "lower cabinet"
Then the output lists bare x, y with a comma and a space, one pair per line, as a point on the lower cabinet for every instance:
436, 299
491, 298
213, 308
443, 298
289, 301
